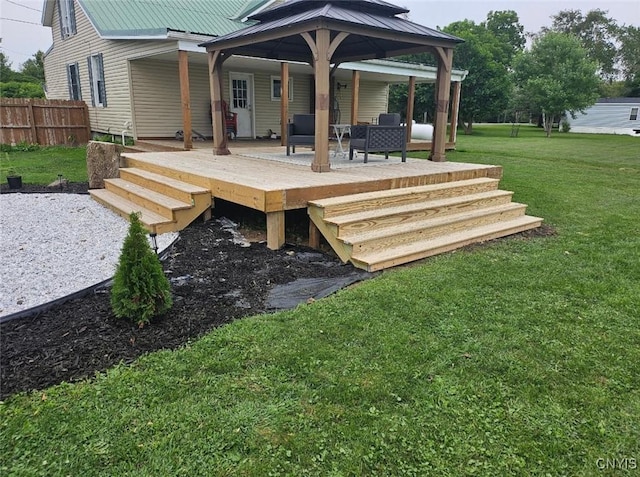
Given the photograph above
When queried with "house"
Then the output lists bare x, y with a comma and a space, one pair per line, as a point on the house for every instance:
609, 116
139, 68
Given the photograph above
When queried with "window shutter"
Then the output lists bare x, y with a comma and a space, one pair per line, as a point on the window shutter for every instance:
69, 81
77, 66
101, 83
60, 14
72, 18
93, 93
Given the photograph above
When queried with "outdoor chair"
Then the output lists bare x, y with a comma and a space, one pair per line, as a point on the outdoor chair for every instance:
301, 132
386, 136
230, 121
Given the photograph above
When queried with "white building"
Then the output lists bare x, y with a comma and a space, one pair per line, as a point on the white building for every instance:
609, 116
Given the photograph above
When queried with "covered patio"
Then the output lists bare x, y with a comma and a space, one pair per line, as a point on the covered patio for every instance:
326, 34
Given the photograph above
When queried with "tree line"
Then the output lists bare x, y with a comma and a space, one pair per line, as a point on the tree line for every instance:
27, 82
566, 68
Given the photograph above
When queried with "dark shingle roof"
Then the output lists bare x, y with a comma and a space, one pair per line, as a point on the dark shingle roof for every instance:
375, 31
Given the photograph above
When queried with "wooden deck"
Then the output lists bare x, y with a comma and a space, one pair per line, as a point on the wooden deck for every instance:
376, 215
272, 186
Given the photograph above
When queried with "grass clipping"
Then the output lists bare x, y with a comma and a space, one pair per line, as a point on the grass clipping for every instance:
140, 288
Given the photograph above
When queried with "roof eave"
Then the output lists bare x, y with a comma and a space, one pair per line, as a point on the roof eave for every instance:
318, 23
47, 12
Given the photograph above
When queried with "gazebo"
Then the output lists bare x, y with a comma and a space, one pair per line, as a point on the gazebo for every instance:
326, 33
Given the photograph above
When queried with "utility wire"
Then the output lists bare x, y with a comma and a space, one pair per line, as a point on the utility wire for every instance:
23, 6
20, 21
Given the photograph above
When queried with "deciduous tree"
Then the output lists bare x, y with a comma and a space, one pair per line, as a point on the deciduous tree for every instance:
598, 34
557, 76
486, 89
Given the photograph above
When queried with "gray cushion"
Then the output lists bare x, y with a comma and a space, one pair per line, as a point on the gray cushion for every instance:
304, 124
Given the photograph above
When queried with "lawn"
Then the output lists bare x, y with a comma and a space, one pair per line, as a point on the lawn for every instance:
519, 357
43, 165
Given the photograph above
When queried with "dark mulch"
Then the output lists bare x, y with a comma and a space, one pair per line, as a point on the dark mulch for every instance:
214, 281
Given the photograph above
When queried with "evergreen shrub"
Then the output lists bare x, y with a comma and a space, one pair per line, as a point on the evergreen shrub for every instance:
140, 288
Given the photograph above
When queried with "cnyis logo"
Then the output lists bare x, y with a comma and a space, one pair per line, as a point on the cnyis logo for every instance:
617, 463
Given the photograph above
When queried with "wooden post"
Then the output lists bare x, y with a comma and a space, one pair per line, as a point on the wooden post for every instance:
411, 97
314, 235
215, 87
275, 229
32, 122
185, 96
284, 102
355, 96
87, 121
455, 108
322, 68
443, 85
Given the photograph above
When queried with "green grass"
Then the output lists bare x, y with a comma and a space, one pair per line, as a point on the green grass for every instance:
520, 357
42, 166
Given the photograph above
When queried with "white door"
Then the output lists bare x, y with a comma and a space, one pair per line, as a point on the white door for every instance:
241, 92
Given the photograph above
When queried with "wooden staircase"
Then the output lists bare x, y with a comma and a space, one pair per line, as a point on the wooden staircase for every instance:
378, 230
165, 204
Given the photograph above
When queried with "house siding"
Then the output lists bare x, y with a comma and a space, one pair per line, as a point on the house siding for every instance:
145, 90
115, 53
607, 118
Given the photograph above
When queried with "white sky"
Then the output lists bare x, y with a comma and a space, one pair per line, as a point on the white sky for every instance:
22, 38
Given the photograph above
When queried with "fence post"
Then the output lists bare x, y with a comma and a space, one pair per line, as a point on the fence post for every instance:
87, 121
32, 122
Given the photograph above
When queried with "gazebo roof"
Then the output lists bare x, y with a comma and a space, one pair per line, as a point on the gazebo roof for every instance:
374, 31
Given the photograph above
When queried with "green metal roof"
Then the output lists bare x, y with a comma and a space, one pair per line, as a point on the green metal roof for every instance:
131, 18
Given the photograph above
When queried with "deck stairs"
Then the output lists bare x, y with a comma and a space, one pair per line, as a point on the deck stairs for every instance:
165, 204
377, 230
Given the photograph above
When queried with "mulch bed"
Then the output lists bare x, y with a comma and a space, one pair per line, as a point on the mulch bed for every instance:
214, 281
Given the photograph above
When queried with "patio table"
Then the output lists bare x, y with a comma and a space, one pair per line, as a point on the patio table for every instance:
340, 130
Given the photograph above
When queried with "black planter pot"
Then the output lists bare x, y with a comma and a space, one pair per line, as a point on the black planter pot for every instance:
15, 182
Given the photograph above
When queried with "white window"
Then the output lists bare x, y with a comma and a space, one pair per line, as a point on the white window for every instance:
67, 18
634, 114
276, 88
96, 81
73, 80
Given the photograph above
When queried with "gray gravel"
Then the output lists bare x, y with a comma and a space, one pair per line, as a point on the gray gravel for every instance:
52, 245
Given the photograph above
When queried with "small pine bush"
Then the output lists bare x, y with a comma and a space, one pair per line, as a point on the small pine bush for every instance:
140, 288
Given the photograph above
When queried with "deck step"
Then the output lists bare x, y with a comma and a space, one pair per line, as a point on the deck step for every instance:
168, 186
147, 198
405, 253
377, 230
153, 222
166, 204
354, 203
398, 215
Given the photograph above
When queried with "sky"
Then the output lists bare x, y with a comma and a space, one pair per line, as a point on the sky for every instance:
22, 35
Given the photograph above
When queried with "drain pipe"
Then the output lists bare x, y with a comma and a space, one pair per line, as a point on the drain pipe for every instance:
127, 126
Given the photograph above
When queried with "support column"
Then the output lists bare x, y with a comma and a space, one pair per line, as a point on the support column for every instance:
217, 118
322, 68
455, 108
443, 85
275, 229
322, 49
185, 96
314, 235
355, 96
284, 102
411, 98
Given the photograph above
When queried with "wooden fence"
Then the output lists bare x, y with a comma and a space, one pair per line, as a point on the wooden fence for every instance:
43, 121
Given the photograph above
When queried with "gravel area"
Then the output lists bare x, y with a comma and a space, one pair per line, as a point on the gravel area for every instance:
53, 245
